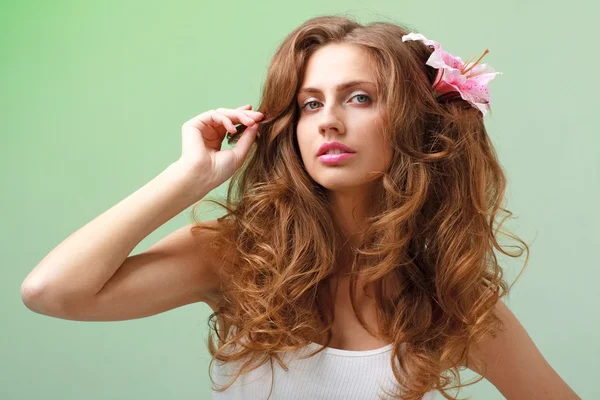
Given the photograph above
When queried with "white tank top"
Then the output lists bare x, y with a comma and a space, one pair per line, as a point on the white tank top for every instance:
330, 375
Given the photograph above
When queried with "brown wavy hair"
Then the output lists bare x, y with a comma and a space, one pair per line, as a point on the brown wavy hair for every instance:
427, 248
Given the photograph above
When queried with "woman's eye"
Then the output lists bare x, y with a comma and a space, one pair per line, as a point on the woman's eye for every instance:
310, 102
363, 96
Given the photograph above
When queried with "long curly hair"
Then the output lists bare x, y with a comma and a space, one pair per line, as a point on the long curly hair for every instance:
427, 248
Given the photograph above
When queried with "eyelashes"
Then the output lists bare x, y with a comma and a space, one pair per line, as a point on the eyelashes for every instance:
303, 107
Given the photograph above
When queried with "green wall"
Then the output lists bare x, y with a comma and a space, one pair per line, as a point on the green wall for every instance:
92, 98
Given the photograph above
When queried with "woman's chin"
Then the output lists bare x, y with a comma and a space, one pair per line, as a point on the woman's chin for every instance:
339, 185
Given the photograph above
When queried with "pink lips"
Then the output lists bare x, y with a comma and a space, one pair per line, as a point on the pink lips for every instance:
334, 158
325, 147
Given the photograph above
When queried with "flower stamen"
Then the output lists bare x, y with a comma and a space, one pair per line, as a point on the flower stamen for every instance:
464, 71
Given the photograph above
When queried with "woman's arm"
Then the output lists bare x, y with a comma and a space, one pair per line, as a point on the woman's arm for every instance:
515, 366
80, 266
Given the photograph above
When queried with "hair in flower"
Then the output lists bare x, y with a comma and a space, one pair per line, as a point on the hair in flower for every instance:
429, 247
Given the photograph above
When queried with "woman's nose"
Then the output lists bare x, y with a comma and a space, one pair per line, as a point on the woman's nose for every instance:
330, 121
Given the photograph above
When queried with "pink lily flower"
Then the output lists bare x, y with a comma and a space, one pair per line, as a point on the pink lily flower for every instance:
469, 79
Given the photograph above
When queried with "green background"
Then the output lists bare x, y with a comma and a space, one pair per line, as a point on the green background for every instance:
93, 96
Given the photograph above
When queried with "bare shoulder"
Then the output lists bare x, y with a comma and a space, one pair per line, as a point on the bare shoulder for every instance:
512, 362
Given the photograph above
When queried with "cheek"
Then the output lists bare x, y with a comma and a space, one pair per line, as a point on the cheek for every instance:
388, 157
384, 152
305, 147
381, 158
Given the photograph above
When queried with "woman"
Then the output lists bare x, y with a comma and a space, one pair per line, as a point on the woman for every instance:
357, 247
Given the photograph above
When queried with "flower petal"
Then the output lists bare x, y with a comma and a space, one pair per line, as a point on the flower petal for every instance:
471, 86
441, 59
418, 36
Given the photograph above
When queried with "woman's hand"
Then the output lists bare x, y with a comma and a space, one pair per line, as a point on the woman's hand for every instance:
203, 135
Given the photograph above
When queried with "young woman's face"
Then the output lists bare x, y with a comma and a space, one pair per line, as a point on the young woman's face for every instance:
349, 115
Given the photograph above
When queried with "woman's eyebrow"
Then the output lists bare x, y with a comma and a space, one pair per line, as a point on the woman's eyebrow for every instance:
341, 86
